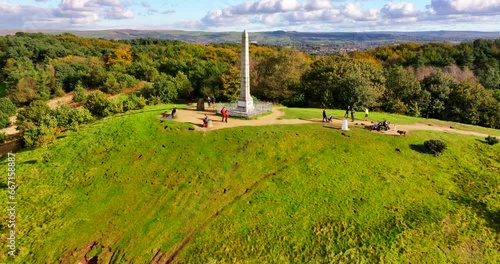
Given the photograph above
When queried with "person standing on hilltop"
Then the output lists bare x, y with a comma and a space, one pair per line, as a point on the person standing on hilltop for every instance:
209, 100
352, 113
213, 100
347, 112
366, 113
223, 113
226, 114
325, 118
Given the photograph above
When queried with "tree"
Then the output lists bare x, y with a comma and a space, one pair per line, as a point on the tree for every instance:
7, 107
403, 92
230, 85
183, 84
331, 73
96, 103
438, 85
79, 93
164, 88
276, 76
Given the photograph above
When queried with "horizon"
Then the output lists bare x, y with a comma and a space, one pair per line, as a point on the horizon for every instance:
255, 16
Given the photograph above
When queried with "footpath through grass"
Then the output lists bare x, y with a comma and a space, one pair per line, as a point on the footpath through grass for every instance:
308, 113
137, 186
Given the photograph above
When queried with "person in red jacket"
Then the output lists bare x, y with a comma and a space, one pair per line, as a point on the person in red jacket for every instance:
223, 113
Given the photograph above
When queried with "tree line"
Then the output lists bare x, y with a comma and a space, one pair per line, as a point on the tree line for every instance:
450, 82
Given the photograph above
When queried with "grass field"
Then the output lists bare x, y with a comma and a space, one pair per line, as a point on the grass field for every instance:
138, 186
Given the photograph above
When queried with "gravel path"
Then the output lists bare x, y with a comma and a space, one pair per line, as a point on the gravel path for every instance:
190, 115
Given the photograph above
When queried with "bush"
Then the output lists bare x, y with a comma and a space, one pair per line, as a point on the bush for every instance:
114, 107
79, 94
435, 146
491, 140
7, 107
96, 103
164, 88
68, 116
38, 113
4, 120
3, 137
82, 116
134, 102
154, 100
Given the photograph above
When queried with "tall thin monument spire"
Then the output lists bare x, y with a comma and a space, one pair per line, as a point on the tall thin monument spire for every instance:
245, 101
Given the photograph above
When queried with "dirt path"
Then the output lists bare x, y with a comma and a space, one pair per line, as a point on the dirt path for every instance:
190, 115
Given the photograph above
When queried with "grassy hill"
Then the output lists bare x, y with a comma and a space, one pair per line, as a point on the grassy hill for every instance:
133, 189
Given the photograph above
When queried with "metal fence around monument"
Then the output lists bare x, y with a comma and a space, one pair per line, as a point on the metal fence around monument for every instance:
259, 108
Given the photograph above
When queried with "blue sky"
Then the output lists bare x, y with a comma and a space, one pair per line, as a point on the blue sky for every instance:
258, 15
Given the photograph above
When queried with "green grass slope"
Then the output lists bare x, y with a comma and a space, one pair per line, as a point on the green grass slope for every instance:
138, 187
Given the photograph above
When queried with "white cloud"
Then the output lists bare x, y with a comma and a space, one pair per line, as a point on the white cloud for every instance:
80, 12
399, 10
145, 4
313, 5
69, 13
474, 7
264, 7
354, 11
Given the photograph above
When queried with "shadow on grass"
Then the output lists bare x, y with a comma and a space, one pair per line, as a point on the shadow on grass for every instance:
31, 162
420, 148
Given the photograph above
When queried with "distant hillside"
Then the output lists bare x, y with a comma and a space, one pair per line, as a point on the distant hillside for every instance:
312, 42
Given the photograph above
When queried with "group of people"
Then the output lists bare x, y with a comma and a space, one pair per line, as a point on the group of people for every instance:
381, 126
224, 112
211, 101
353, 111
328, 118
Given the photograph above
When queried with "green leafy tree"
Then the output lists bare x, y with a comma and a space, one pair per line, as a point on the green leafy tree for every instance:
164, 88
7, 107
230, 85
403, 92
275, 77
438, 85
332, 73
79, 94
37, 113
96, 103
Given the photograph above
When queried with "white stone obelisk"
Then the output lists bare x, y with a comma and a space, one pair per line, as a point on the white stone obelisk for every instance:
245, 101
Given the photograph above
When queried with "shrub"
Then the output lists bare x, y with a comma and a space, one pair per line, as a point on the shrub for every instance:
435, 146
3, 137
164, 88
79, 94
491, 140
134, 102
7, 107
38, 113
154, 100
68, 116
4, 120
63, 114
82, 116
96, 103
113, 107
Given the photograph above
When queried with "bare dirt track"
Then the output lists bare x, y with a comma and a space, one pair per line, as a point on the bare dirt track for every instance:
191, 115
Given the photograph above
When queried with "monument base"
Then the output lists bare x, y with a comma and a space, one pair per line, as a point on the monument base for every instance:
344, 125
245, 106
